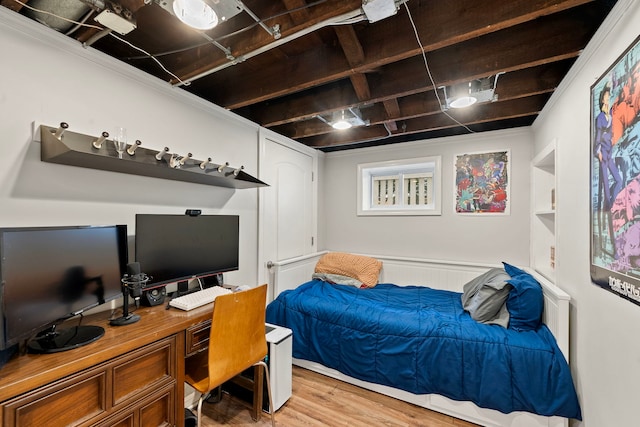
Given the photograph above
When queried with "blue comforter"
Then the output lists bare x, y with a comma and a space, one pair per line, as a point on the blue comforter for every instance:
421, 340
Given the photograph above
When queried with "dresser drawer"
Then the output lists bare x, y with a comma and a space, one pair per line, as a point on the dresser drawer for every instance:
115, 386
70, 402
197, 338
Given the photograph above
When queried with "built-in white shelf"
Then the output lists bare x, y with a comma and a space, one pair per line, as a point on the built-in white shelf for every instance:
543, 220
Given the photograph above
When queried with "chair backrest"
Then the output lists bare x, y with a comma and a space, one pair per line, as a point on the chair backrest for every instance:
238, 338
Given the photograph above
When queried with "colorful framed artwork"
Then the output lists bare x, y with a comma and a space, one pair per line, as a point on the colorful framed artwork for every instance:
482, 183
615, 177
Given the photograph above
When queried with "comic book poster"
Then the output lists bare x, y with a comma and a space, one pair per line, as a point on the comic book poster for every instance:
482, 183
615, 177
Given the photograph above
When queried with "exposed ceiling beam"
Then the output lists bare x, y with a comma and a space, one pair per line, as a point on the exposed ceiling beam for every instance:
387, 42
447, 65
211, 58
502, 110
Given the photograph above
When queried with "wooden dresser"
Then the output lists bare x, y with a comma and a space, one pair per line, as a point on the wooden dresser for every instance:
132, 376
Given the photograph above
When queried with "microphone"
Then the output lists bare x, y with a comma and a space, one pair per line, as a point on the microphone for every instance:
135, 280
132, 282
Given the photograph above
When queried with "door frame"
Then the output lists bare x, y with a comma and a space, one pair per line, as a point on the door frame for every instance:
266, 136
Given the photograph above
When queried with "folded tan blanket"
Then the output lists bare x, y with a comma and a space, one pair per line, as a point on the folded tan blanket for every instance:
363, 268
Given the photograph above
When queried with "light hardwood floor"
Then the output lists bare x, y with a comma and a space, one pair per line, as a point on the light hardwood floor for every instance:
318, 400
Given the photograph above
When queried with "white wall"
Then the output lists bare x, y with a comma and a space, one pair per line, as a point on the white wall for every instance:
450, 236
604, 346
47, 78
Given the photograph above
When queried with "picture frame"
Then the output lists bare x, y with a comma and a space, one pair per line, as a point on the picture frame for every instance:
614, 227
482, 183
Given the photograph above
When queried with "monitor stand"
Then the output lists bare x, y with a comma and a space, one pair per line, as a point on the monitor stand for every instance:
56, 340
183, 287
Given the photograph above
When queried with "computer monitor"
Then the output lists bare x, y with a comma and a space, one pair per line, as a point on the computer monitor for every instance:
174, 248
49, 274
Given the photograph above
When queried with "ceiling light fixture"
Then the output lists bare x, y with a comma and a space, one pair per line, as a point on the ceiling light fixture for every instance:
195, 13
466, 94
202, 14
340, 121
462, 99
345, 119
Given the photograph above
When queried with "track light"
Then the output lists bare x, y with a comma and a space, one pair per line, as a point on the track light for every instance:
237, 171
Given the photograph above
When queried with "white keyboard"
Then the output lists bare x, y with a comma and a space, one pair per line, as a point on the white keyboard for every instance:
199, 298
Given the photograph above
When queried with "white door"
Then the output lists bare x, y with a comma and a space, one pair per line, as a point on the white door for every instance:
287, 223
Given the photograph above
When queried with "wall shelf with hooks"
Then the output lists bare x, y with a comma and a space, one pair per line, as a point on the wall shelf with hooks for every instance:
62, 146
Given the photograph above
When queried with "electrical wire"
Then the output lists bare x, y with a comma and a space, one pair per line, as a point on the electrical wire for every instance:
426, 64
147, 54
80, 23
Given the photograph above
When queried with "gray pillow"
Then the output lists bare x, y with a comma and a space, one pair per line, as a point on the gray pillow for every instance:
485, 297
337, 279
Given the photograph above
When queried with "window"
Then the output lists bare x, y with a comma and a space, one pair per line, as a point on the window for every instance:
400, 187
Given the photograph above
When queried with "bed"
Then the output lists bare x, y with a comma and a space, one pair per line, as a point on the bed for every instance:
418, 344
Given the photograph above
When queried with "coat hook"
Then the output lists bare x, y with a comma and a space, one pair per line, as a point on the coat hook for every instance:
162, 153
221, 167
204, 164
98, 142
63, 126
237, 171
184, 159
132, 148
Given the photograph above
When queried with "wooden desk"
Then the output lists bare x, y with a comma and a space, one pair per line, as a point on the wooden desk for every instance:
133, 373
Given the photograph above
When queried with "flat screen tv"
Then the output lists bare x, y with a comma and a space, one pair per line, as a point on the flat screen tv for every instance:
174, 248
49, 274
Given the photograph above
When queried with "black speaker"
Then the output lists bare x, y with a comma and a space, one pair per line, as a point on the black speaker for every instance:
154, 296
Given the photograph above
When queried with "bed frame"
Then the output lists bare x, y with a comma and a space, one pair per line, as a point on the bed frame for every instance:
289, 274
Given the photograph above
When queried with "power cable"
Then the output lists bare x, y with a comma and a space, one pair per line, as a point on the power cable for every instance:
426, 64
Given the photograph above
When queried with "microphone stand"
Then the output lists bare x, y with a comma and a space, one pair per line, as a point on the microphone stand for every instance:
127, 318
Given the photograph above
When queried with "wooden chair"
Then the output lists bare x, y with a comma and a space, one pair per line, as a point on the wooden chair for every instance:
237, 341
